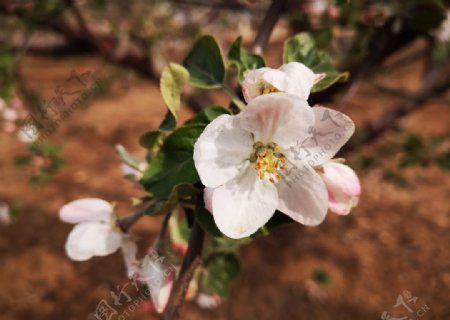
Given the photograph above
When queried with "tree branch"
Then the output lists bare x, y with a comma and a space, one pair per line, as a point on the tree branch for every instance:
191, 261
267, 25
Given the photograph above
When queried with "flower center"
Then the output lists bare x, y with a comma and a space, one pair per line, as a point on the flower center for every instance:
268, 161
265, 87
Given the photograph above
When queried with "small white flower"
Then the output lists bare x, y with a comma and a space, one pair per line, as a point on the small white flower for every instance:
207, 301
129, 252
294, 78
264, 159
10, 114
5, 217
29, 134
442, 34
95, 232
159, 278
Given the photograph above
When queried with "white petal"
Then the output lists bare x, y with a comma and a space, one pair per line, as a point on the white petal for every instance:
302, 194
129, 253
207, 197
90, 209
5, 217
159, 279
244, 204
294, 78
89, 239
330, 132
251, 85
221, 150
277, 117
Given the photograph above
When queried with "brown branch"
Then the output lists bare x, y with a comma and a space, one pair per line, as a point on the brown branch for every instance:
267, 25
191, 261
435, 84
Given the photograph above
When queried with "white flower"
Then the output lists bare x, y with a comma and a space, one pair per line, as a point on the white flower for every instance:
442, 34
294, 78
159, 278
5, 217
343, 187
263, 159
207, 301
28, 134
129, 252
95, 232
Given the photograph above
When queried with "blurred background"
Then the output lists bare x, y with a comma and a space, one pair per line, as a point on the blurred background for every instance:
389, 259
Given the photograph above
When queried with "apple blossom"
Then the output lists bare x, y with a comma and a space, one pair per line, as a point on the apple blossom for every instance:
159, 278
442, 34
343, 186
207, 301
265, 159
95, 233
5, 216
294, 78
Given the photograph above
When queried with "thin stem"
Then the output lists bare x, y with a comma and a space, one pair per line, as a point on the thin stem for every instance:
269, 22
191, 261
126, 222
159, 242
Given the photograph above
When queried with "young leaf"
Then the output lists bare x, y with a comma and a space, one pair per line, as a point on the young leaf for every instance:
169, 122
173, 78
179, 192
243, 59
205, 64
174, 163
219, 273
302, 48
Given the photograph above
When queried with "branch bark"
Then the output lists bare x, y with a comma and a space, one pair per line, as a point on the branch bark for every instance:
191, 262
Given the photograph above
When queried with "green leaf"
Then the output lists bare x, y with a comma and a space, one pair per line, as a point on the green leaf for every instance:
208, 114
243, 59
169, 122
205, 64
206, 220
149, 139
219, 273
302, 48
183, 191
173, 78
174, 163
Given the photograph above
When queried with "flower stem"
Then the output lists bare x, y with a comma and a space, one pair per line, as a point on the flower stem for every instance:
191, 261
126, 222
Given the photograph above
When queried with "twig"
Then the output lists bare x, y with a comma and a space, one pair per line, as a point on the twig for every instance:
267, 25
190, 263
436, 83
126, 222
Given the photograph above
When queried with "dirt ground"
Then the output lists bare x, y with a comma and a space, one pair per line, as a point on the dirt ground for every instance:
395, 243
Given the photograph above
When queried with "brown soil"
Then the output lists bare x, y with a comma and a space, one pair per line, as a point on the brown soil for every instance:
397, 239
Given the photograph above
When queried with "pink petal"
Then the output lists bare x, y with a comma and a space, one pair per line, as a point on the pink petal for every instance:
343, 187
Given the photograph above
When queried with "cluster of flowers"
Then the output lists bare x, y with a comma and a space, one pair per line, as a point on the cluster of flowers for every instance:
11, 115
97, 233
277, 154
